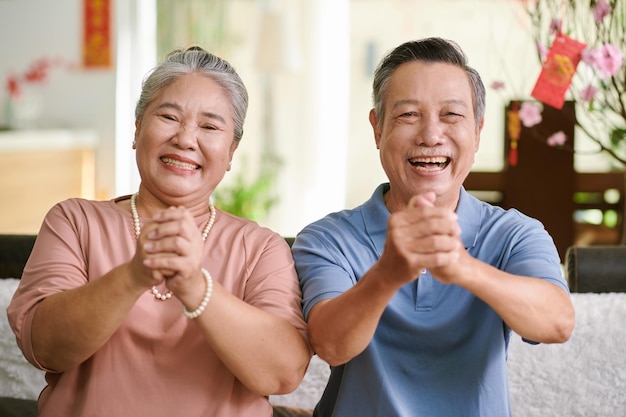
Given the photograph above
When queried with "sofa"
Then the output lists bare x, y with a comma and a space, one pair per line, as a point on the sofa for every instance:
585, 377
20, 382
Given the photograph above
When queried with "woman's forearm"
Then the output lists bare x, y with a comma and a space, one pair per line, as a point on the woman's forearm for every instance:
266, 353
72, 325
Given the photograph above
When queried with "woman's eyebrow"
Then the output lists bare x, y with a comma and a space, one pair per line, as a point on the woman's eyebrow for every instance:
210, 115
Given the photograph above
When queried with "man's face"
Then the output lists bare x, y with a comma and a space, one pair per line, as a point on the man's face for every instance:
429, 136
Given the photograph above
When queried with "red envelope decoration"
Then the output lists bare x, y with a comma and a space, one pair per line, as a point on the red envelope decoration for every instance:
558, 70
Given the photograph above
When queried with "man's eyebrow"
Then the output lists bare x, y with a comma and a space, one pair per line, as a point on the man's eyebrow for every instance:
413, 101
403, 102
456, 101
210, 115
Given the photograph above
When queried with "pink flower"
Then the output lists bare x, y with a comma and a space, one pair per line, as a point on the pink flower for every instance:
611, 60
497, 85
555, 26
591, 57
38, 71
607, 60
588, 93
530, 113
543, 51
13, 86
557, 139
601, 10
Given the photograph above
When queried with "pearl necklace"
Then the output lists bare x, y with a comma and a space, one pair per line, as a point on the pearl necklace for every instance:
137, 226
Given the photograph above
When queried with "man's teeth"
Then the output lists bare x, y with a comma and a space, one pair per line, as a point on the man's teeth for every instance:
429, 163
179, 164
429, 160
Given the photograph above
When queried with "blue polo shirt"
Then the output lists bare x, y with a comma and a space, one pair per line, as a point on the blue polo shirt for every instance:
438, 350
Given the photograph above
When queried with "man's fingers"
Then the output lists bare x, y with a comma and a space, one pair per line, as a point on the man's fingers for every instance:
423, 200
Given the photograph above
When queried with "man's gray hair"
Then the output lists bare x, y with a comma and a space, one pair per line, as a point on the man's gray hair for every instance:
427, 50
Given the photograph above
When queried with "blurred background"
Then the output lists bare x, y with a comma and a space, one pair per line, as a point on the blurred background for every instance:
308, 148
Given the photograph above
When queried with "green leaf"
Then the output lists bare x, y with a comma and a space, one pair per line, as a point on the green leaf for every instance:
251, 199
617, 136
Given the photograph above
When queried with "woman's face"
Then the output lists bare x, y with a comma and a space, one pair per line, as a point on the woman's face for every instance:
185, 140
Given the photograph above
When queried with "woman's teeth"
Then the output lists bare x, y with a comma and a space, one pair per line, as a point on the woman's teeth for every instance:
179, 164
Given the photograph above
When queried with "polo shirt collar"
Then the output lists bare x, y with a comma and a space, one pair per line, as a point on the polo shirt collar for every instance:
375, 216
469, 211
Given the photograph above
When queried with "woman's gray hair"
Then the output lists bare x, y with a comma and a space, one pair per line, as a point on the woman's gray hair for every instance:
427, 50
196, 60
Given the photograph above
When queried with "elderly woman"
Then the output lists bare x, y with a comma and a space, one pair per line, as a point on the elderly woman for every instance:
159, 304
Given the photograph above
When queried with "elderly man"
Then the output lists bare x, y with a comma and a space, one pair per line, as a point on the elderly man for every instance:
412, 296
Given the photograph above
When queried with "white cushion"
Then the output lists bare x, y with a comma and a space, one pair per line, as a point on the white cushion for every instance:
18, 378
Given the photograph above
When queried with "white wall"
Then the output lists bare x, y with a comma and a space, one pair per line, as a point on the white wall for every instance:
310, 109
329, 165
492, 34
321, 115
32, 29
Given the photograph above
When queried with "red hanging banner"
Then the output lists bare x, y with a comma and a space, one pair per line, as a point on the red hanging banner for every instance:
514, 128
558, 70
96, 33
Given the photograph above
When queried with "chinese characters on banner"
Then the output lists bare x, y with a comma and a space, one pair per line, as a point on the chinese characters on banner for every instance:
96, 33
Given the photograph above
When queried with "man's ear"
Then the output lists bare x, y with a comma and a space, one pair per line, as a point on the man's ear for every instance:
478, 133
374, 123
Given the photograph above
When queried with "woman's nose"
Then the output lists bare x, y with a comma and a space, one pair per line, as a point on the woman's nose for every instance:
186, 137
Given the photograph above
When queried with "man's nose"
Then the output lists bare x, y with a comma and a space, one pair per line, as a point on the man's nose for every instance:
430, 131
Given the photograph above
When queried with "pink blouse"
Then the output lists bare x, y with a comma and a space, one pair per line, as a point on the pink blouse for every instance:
157, 363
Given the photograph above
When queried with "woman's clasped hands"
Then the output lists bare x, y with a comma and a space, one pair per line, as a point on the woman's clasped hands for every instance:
169, 249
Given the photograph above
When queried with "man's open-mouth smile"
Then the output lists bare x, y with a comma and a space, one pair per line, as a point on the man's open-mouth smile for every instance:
429, 163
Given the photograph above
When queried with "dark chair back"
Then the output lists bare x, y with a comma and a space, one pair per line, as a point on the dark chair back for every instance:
14, 252
596, 269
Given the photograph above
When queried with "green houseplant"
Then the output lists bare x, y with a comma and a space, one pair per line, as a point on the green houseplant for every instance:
251, 199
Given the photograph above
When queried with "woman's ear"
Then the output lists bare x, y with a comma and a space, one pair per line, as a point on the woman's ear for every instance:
231, 153
137, 125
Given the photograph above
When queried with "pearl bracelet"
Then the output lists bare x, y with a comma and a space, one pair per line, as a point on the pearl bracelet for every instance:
205, 300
